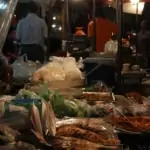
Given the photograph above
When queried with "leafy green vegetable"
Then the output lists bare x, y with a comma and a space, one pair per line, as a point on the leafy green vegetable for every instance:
44, 92
26, 94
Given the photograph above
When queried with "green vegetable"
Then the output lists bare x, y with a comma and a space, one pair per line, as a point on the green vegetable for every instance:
26, 94
44, 92
70, 108
61, 106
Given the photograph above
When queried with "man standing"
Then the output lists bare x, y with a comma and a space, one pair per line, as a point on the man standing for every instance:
32, 33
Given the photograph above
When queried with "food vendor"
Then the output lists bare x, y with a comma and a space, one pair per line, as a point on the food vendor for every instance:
143, 40
32, 33
104, 30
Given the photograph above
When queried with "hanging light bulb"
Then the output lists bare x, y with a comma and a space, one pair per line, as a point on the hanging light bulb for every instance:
60, 28
54, 18
53, 25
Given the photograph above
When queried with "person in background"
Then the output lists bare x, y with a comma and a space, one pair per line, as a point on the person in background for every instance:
144, 40
32, 33
104, 30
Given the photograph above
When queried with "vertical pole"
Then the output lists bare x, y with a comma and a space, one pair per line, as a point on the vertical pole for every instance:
119, 13
63, 20
94, 27
137, 9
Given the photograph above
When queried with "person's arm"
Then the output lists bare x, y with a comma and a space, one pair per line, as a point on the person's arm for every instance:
18, 32
45, 32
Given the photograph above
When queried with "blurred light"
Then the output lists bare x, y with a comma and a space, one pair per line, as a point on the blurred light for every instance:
134, 1
132, 8
60, 28
3, 6
54, 18
53, 25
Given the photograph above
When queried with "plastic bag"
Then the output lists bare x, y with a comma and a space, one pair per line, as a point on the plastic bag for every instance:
59, 69
111, 47
51, 72
80, 63
23, 70
71, 69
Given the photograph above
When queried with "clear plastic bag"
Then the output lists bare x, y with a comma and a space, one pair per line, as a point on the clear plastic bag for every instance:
59, 69
71, 69
80, 63
23, 69
50, 72
111, 47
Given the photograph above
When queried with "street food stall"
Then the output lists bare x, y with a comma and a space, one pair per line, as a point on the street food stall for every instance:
55, 110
